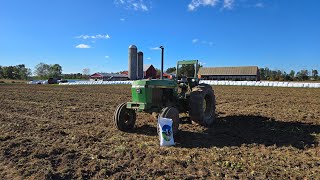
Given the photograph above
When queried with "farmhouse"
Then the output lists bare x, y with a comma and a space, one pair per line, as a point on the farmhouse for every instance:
248, 73
108, 77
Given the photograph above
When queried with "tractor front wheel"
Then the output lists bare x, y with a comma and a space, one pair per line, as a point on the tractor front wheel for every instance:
171, 113
124, 119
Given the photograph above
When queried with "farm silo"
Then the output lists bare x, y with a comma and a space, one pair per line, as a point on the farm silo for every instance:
140, 65
133, 57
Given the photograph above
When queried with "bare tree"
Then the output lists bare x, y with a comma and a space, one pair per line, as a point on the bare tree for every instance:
86, 71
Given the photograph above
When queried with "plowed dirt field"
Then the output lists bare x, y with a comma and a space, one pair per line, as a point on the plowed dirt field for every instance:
66, 132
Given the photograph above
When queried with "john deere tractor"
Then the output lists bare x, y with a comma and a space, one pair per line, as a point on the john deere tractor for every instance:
169, 97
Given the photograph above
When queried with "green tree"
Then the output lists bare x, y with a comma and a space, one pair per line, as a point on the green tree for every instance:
291, 75
267, 74
171, 70
8, 72
278, 75
187, 70
303, 75
21, 72
42, 70
1, 72
315, 74
55, 70
262, 73
15, 72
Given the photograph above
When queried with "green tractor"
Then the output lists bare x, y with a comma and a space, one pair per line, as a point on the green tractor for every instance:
168, 98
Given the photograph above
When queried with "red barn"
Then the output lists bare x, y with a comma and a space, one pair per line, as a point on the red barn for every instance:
108, 77
149, 71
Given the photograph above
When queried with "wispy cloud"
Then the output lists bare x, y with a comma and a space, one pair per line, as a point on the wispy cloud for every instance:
98, 36
107, 57
195, 40
194, 4
137, 5
259, 5
202, 63
228, 4
148, 58
224, 4
83, 46
122, 19
204, 42
155, 48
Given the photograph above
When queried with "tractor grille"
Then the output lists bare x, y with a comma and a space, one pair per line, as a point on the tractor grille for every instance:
157, 96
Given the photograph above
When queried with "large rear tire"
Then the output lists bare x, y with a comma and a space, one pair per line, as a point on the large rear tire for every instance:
202, 105
172, 113
124, 119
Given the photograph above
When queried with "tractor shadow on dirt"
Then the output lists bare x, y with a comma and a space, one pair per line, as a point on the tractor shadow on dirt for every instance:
238, 130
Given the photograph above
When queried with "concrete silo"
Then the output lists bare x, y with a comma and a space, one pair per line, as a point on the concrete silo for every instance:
140, 65
133, 59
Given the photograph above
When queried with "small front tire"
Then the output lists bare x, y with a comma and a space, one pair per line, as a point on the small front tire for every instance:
124, 119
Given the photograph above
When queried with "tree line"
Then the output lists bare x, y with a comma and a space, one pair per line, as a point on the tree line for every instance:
45, 71
18, 72
42, 71
277, 75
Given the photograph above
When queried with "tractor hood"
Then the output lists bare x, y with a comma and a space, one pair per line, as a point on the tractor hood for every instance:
154, 83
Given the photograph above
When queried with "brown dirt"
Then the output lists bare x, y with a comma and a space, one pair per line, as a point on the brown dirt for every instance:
66, 132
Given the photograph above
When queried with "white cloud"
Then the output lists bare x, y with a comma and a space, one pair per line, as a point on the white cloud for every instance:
224, 4
148, 58
107, 57
83, 46
155, 48
137, 5
194, 4
144, 7
259, 5
228, 4
204, 42
98, 36
195, 40
122, 19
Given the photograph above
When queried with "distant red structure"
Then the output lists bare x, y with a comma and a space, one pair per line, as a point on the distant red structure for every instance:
124, 72
149, 71
108, 77
165, 76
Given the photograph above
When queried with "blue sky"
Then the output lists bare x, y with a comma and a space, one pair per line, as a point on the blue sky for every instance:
95, 34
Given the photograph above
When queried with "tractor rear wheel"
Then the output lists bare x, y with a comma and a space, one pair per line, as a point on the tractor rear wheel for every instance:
124, 119
171, 113
202, 105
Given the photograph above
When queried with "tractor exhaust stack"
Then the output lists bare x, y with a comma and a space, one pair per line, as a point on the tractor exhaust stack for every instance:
162, 52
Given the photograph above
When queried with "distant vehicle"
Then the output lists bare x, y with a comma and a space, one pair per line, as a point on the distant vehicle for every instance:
63, 81
53, 80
